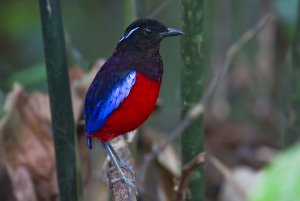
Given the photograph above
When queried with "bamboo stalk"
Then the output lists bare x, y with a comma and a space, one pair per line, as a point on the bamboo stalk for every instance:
192, 87
129, 12
60, 99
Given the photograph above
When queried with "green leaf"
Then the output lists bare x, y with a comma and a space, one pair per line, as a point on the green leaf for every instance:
281, 179
28, 76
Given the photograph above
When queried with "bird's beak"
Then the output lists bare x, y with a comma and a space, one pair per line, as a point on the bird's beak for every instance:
171, 32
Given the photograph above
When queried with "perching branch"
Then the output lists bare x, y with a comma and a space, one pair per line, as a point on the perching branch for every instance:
199, 107
120, 191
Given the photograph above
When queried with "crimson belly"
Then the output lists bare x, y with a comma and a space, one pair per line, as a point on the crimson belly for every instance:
133, 111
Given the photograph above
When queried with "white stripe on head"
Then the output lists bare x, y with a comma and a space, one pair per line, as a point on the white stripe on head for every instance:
128, 34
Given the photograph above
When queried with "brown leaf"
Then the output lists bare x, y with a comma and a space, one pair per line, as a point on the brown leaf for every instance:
27, 145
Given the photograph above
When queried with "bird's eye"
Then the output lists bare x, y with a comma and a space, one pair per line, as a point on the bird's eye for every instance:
147, 31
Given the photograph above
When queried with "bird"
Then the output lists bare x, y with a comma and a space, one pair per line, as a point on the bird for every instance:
125, 89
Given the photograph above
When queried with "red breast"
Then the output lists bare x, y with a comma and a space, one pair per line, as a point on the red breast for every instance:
133, 111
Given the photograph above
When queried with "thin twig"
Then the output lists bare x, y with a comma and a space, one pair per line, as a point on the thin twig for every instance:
199, 107
225, 171
159, 9
186, 173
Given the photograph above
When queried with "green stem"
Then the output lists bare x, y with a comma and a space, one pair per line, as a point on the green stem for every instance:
140, 10
294, 129
129, 12
192, 89
60, 99
133, 9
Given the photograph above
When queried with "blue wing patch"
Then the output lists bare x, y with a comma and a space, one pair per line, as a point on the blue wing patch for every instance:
98, 108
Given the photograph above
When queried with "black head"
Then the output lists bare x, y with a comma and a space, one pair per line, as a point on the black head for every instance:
145, 34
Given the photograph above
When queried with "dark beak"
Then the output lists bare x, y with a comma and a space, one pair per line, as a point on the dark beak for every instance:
171, 32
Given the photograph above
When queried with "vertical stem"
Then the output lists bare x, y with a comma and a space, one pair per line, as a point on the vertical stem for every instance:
192, 88
294, 130
60, 99
129, 12
140, 10
133, 9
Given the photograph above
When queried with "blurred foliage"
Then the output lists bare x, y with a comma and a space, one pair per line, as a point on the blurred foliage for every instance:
287, 14
17, 19
2, 99
28, 77
19, 41
281, 179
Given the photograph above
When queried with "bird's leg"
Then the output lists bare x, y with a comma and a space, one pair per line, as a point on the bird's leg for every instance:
122, 163
109, 151
89, 141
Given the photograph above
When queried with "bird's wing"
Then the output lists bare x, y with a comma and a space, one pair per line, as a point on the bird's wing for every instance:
105, 94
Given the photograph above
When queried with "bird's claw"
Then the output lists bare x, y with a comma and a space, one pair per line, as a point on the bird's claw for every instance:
125, 166
128, 181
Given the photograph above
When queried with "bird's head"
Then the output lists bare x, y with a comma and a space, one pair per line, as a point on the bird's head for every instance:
145, 34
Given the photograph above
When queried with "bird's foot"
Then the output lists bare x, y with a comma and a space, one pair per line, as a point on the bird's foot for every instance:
128, 181
125, 166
